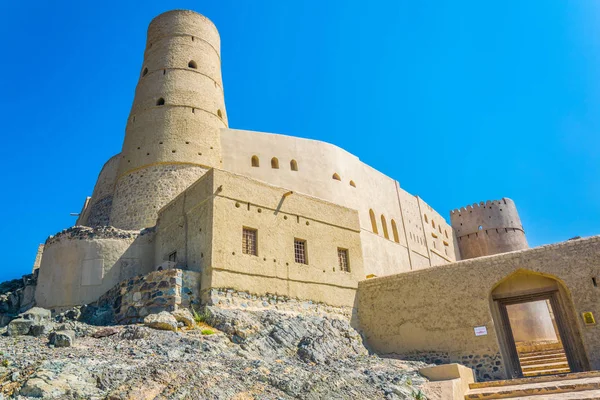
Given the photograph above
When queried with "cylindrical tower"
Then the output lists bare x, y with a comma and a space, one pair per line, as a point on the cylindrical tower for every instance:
488, 228
172, 134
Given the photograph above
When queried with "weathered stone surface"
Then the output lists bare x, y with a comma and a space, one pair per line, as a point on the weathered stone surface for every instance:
62, 338
41, 329
19, 326
185, 316
37, 315
162, 320
104, 332
98, 316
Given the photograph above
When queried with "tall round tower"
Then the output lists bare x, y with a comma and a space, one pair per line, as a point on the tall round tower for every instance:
487, 228
172, 134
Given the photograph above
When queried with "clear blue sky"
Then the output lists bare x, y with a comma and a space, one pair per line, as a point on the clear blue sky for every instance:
460, 101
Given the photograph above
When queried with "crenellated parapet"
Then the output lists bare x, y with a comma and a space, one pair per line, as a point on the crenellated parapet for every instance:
487, 228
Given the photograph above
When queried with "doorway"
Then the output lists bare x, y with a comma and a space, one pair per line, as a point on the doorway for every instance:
537, 337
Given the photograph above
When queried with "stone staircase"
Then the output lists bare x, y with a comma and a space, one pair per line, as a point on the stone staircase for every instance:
581, 386
544, 362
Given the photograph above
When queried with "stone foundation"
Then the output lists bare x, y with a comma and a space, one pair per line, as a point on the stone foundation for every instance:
157, 291
16, 296
230, 298
487, 367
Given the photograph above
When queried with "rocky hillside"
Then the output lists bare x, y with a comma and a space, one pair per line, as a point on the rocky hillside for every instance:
222, 354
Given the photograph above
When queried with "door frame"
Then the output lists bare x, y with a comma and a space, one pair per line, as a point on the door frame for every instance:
512, 363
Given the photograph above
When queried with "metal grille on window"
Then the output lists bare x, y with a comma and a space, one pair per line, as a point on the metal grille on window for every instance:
343, 260
249, 241
300, 251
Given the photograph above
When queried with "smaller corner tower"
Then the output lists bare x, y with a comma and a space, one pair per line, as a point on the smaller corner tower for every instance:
488, 228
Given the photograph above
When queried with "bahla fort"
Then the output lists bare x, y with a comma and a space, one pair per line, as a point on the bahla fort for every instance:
218, 215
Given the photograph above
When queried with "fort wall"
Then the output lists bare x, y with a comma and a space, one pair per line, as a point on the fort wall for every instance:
80, 264
431, 314
488, 228
175, 118
330, 173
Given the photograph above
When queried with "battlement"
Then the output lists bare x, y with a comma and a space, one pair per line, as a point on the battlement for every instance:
483, 204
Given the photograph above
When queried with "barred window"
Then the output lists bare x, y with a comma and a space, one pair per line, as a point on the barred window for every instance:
343, 260
300, 251
249, 241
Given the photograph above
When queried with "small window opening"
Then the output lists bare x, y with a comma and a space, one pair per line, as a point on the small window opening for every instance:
425, 216
395, 232
219, 113
294, 165
433, 224
384, 225
594, 282
352, 184
173, 257
480, 227
343, 260
145, 71
249, 241
274, 163
336, 177
160, 102
300, 251
192, 64
255, 161
373, 222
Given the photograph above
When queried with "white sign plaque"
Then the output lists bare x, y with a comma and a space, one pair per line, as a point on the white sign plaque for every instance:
480, 331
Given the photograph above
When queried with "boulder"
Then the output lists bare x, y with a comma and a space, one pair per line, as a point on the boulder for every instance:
98, 316
104, 332
37, 314
19, 326
62, 338
163, 320
184, 315
41, 329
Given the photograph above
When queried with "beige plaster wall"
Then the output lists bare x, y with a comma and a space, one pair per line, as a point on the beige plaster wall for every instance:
317, 163
431, 313
225, 203
76, 271
488, 228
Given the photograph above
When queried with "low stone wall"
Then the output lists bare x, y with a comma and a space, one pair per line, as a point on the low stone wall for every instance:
166, 290
230, 298
485, 366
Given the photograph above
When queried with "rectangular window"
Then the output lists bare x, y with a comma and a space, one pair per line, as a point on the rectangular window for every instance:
300, 251
343, 260
249, 241
173, 256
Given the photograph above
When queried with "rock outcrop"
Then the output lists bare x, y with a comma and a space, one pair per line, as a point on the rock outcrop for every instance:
16, 296
244, 355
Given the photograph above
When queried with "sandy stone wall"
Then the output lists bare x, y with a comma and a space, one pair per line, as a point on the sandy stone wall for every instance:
204, 227
98, 208
140, 194
488, 228
167, 290
327, 172
81, 263
434, 311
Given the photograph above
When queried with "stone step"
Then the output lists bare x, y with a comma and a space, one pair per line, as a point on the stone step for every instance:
539, 379
583, 395
543, 360
530, 388
540, 353
545, 366
547, 372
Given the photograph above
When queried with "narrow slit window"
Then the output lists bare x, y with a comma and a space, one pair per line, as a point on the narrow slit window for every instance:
395, 232
373, 222
294, 165
274, 163
255, 161
300, 251
336, 177
249, 241
384, 227
343, 260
